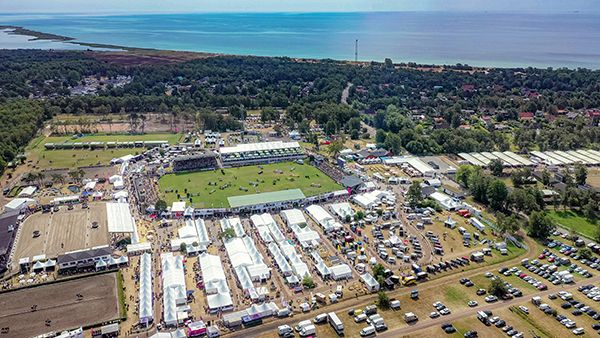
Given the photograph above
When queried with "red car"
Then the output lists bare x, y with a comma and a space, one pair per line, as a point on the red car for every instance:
522, 275
541, 256
542, 287
551, 259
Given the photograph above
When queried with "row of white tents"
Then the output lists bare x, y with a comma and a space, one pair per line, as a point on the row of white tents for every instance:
146, 305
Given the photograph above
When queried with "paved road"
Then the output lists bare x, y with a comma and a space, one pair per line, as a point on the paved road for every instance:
472, 311
343, 306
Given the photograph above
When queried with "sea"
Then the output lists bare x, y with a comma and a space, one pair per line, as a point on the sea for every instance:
475, 38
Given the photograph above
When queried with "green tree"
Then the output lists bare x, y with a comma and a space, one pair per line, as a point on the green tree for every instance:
380, 136
496, 167
589, 210
586, 253
540, 225
497, 287
383, 301
580, 174
507, 225
308, 282
335, 148
227, 233
183, 247
497, 194
414, 194
463, 173
160, 205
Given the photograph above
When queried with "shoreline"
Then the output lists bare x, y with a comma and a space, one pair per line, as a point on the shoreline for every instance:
189, 55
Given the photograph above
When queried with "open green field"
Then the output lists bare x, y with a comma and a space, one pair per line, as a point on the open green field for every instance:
172, 138
574, 221
210, 189
71, 158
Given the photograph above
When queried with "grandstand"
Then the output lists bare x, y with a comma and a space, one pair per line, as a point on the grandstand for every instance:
207, 161
260, 153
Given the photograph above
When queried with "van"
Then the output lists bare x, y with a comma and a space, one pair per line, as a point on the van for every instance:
301, 325
395, 304
285, 312
410, 317
483, 317
308, 331
367, 331
370, 309
284, 329
339, 291
322, 318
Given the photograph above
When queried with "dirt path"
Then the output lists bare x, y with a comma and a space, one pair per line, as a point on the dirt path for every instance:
369, 298
346, 93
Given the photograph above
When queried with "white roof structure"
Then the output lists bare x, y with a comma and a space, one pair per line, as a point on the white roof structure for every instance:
263, 146
115, 178
266, 220
18, 203
213, 274
342, 209
120, 194
414, 162
293, 217
119, 218
445, 201
235, 223
65, 199
89, 186
139, 247
122, 159
341, 271
178, 207
203, 238
146, 299
298, 266
322, 268
280, 259
304, 234
173, 282
323, 218
370, 199
28, 191
370, 282
525, 161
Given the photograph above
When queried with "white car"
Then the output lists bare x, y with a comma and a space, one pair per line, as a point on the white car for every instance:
472, 303
434, 315
524, 309
491, 299
445, 311
578, 331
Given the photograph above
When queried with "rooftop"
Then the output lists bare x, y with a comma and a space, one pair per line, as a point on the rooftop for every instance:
267, 197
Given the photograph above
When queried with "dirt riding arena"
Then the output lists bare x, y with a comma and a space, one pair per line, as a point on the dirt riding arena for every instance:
62, 231
59, 304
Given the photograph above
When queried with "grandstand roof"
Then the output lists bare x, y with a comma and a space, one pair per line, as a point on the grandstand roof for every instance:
263, 146
267, 197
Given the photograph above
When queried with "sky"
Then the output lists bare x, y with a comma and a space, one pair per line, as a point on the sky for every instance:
187, 6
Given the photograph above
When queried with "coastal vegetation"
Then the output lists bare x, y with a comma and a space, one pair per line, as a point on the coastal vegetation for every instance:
449, 110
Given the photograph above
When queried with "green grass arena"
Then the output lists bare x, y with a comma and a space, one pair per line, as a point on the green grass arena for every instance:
210, 189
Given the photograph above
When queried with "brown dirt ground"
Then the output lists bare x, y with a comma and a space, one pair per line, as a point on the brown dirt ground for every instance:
58, 302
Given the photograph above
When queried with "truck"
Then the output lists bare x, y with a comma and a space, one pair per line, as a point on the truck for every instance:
336, 323
483, 317
409, 280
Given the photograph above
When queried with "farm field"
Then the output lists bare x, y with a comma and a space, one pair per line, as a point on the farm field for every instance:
208, 189
574, 221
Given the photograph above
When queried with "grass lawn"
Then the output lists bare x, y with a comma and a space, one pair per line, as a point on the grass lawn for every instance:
101, 137
71, 158
210, 189
574, 221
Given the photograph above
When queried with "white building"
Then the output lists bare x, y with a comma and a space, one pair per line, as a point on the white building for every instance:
146, 294
445, 201
215, 283
295, 220
340, 271
174, 289
323, 218
342, 210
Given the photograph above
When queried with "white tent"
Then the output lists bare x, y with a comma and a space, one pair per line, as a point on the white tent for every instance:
203, 238
174, 290
146, 299
342, 209
323, 218
18, 203
341, 271
234, 223
119, 218
370, 282
28, 191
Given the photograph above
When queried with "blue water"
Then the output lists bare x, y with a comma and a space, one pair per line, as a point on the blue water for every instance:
482, 39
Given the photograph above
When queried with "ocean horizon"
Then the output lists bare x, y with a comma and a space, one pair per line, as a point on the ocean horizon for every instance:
474, 38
